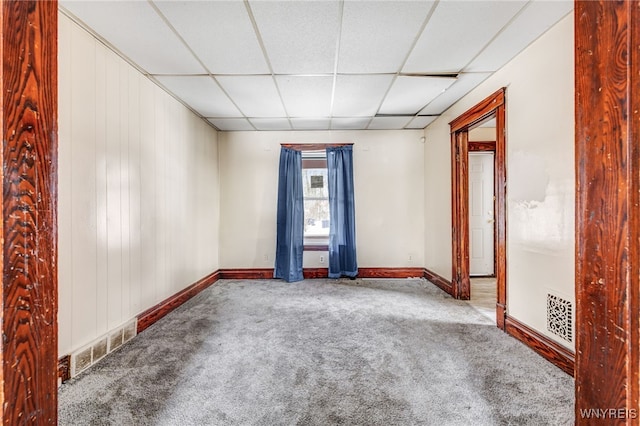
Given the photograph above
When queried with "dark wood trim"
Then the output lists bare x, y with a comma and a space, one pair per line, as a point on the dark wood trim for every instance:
29, 116
479, 112
313, 146
460, 215
310, 273
315, 247
500, 211
492, 105
439, 281
390, 272
153, 314
607, 120
64, 368
246, 274
475, 146
555, 353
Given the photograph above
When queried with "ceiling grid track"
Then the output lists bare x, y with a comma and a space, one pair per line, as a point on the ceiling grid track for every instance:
406, 58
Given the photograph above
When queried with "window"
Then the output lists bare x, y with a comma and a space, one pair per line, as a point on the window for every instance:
316, 199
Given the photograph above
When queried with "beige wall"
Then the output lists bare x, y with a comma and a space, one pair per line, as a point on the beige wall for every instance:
138, 191
389, 182
540, 176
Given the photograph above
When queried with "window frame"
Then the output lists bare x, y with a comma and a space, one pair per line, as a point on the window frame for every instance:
314, 147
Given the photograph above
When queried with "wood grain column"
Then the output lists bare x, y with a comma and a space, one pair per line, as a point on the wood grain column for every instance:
29, 231
607, 53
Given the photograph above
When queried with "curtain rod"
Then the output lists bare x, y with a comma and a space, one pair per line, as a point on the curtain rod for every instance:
313, 146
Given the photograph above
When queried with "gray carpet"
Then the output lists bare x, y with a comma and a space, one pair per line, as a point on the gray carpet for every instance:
321, 352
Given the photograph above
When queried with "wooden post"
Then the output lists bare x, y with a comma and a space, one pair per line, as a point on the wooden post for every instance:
29, 192
607, 52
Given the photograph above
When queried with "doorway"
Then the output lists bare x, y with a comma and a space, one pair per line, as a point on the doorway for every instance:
491, 108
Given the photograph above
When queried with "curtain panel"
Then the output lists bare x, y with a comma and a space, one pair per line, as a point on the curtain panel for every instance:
342, 221
290, 218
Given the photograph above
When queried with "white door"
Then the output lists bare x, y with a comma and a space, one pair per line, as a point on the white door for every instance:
481, 217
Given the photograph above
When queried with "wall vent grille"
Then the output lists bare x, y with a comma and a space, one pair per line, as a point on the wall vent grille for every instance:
559, 317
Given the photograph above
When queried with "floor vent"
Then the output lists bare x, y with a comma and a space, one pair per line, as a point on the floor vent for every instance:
559, 317
99, 348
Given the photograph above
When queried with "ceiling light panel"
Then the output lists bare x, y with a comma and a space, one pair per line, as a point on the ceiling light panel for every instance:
220, 33
136, 30
256, 96
534, 20
359, 95
377, 36
310, 123
231, 124
408, 95
306, 96
456, 32
299, 36
421, 122
463, 85
389, 123
202, 94
348, 123
270, 123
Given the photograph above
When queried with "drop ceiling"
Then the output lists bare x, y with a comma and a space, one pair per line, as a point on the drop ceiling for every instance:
318, 65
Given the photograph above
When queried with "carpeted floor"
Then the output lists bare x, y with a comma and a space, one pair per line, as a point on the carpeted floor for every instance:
321, 352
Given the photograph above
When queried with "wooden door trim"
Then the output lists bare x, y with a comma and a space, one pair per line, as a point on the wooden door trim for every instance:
461, 286
29, 101
607, 276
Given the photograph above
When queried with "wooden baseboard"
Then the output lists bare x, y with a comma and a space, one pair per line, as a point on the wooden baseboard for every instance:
439, 281
64, 368
310, 273
557, 354
390, 272
158, 311
246, 274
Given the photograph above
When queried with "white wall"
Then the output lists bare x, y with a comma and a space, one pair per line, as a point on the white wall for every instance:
138, 191
540, 176
389, 182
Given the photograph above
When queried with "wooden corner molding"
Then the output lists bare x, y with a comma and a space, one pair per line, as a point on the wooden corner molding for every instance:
64, 368
555, 353
29, 291
153, 314
439, 281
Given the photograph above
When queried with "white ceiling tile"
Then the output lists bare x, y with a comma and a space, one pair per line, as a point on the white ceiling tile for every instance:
421, 122
231, 124
389, 123
271, 123
535, 19
408, 95
463, 85
377, 36
300, 37
202, 94
306, 96
136, 30
310, 123
256, 96
349, 123
456, 32
225, 46
359, 95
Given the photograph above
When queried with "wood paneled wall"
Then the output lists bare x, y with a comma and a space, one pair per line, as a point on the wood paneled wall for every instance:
29, 147
139, 188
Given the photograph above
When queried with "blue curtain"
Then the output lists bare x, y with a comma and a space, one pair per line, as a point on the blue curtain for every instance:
342, 220
290, 223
